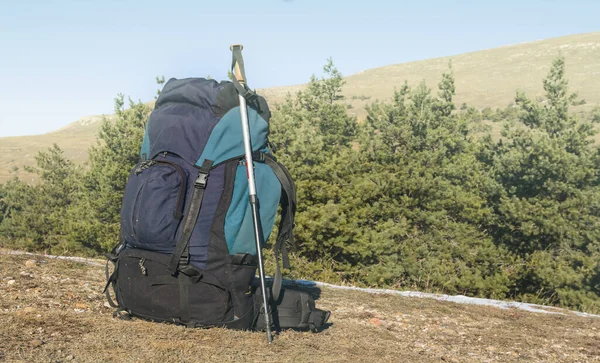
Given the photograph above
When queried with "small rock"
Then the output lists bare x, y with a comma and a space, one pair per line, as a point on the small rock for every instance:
376, 322
449, 359
106, 304
26, 310
80, 305
11, 282
70, 357
79, 311
36, 342
30, 263
26, 274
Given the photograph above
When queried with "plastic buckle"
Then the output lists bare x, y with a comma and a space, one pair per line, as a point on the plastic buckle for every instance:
200, 182
184, 259
250, 95
258, 156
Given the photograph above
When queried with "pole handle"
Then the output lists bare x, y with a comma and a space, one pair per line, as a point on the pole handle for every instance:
237, 72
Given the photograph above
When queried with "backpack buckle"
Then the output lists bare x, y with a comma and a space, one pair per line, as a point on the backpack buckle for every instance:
258, 156
200, 182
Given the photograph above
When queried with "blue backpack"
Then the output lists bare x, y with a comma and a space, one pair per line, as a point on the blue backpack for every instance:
187, 252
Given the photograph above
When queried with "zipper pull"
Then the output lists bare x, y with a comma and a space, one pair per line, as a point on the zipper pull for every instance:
142, 267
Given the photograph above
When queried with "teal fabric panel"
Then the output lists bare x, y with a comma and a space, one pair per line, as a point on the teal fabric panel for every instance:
226, 141
239, 230
145, 144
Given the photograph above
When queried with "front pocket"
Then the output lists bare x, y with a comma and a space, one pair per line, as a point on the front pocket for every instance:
153, 205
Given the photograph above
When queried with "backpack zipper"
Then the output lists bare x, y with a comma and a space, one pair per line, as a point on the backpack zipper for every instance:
142, 267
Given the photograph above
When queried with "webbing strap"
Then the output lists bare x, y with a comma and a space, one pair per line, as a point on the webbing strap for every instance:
110, 280
181, 252
181, 278
277, 281
288, 208
286, 225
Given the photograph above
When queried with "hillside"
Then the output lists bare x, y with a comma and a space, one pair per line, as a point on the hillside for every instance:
487, 78
74, 139
54, 310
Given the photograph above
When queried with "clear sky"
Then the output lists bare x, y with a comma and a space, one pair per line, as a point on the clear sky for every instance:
61, 60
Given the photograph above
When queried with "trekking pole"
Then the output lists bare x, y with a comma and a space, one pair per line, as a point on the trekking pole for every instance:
238, 66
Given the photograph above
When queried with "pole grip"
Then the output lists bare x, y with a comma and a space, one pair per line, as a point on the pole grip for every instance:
237, 72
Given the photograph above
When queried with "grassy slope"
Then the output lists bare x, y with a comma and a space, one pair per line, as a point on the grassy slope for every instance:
487, 78
75, 139
55, 311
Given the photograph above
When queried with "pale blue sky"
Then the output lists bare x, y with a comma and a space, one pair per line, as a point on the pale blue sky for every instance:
61, 60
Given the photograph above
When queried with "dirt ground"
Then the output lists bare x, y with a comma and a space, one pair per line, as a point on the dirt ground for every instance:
54, 311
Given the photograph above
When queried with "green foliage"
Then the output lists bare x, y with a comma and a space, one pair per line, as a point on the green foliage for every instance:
413, 197
34, 216
547, 211
314, 135
75, 210
430, 195
595, 115
159, 81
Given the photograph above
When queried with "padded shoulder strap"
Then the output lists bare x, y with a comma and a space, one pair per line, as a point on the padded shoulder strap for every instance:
288, 207
286, 225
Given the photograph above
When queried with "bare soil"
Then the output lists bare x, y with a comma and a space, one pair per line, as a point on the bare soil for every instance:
54, 311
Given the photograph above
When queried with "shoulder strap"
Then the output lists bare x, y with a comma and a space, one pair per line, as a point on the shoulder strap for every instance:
286, 225
181, 253
288, 207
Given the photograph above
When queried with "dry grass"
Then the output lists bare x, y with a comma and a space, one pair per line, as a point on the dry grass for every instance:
19, 151
54, 311
487, 78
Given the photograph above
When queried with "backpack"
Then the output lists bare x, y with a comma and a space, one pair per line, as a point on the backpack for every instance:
186, 252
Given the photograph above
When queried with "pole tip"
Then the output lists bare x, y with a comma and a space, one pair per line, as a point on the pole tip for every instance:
233, 46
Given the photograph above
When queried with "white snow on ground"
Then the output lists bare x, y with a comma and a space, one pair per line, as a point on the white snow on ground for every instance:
459, 299
88, 261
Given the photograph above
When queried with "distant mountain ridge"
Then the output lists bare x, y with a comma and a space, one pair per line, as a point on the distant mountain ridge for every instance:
486, 78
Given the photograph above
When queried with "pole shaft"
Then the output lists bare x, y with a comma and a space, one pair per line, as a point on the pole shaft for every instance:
258, 237
247, 146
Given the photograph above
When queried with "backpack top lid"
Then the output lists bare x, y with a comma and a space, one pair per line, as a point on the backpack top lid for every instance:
199, 119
